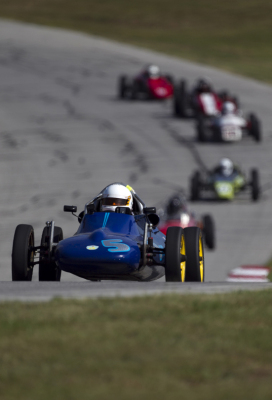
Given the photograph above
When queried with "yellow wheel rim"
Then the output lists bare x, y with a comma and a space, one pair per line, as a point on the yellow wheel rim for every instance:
201, 259
183, 263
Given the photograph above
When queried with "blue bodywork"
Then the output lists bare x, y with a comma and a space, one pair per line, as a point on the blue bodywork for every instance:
107, 246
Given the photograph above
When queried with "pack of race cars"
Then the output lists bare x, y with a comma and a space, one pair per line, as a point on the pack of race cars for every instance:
118, 237
218, 115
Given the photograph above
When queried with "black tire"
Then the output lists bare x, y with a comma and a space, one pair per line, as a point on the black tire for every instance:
209, 231
255, 184
176, 107
201, 129
195, 186
134, 91
175, 245
48, 271
181, 100
255, 127
22, 255
194, 250
122, 87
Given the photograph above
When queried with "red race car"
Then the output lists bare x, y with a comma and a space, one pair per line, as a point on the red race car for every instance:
150, 84
202, 100
176, 213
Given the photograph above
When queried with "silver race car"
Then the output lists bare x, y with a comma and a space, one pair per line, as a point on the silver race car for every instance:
228, 126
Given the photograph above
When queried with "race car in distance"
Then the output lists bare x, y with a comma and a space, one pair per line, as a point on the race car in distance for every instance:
149, 84
201, 100
228, 126
224, 182
177, 213
121, 245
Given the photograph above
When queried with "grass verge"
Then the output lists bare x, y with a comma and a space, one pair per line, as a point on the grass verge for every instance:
190, 347
235, 36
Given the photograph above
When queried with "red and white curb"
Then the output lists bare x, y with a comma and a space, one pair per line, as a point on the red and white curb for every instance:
249, 273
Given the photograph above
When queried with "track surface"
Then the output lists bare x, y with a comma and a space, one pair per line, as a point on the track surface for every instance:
64, 136
44, 291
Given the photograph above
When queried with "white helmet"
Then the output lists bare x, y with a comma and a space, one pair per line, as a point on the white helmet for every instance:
153, 71
115, 195
228, 108
226, 166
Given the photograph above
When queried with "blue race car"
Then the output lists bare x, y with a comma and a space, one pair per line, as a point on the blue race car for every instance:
121, 245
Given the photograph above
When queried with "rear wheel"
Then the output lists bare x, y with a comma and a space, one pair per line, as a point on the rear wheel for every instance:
48, 270
201, 131
122, 86
134, 90
22, 253
175, 264
181, 100
255, 128
255, 184
195, 186
209, 231
195, 255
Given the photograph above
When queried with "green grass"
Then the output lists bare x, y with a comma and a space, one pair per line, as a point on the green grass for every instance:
189, 347
235, 35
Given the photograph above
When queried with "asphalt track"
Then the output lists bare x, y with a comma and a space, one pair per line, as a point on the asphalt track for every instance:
65, 135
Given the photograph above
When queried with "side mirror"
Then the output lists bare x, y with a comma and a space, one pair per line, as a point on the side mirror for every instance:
154, 219
72, 209
149, 210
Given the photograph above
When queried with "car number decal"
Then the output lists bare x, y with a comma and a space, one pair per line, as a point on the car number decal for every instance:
92, 247
231, 132
117, 245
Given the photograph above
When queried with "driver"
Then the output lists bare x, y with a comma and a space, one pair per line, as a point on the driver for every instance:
226, 167
228, 108
152, 71
115, 195
203, 85
175, 206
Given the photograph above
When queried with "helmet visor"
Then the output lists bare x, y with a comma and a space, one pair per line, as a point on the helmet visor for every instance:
111, 201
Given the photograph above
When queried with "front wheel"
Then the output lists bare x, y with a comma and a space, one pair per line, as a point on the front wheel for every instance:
48, 270
195, 255
22, 253
255, 127
122, 86
175, 264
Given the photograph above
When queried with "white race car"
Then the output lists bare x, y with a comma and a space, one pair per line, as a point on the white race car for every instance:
228, 126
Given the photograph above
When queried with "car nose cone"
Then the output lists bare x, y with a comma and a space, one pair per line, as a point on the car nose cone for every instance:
98, 253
